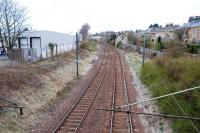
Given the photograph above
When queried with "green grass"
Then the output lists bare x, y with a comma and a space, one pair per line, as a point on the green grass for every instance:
167, 75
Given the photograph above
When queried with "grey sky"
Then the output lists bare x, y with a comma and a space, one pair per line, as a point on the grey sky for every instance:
69, 15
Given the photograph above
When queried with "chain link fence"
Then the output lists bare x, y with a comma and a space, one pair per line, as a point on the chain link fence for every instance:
16, 57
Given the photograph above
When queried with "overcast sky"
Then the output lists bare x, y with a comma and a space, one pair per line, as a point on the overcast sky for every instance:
117, 15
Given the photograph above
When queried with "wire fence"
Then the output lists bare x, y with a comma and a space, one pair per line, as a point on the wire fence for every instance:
151, 53
148, 52
18, 57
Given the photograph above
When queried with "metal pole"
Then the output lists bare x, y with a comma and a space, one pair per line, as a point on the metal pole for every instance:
77, 51
144, 50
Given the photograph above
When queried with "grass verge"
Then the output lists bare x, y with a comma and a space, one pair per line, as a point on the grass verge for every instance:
166, 75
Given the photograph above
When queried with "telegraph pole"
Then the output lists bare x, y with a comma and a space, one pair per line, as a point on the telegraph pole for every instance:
143, 58
77, 54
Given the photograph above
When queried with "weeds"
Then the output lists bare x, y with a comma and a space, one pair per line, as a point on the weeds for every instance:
166, 75
90, 46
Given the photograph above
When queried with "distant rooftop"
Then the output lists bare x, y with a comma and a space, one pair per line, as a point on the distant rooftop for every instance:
164, 29
194, 24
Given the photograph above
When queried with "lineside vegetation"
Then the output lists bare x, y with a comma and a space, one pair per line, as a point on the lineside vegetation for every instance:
166, 75
90, 46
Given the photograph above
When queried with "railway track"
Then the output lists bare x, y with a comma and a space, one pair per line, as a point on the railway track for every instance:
120, 122
74, 117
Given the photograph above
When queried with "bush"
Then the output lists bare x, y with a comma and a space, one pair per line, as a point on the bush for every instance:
51, 45
193, 49
159, 46
166, 75
90, 46
174, 48
132, 38
120, 45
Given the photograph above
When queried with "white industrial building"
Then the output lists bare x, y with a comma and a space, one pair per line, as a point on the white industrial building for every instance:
38, 42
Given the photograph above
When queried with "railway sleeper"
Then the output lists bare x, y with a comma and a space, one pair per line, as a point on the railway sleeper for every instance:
82, 106
86, 103
120, 130
77, 113
86, 98
71, 129
71, 124
72, 121
89, 94
119, 120
82, 111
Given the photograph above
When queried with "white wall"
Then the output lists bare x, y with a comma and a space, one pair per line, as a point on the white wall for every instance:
65, 42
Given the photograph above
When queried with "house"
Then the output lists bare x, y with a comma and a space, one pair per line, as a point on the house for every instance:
121, 39
166, 34
140, 36
140, 33
39, 40
194, 32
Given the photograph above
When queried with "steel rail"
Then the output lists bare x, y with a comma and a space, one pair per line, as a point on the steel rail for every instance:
113, 97
126, 94
100, 84
114, 92
79, 98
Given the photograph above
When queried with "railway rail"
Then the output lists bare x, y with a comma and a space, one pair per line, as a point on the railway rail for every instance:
120, 121
75, 116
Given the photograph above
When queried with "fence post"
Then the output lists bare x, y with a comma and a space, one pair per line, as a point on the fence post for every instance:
22, 56
144, 51
46, 52
77, 52
11, 54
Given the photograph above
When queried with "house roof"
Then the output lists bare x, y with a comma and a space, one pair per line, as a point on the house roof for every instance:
27, 33
195, 24
191, 25
165, 29
141, 32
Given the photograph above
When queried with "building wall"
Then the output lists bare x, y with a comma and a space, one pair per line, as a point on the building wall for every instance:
122, 39
194, 34
165, 35
65, 42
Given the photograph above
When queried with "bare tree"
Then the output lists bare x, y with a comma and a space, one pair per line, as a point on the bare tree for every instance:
180, 33
174, 48
84, 31
12, 22
132, 38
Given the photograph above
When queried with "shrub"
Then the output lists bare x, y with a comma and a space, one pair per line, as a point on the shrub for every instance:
90, 46
159, 46
165, 75
193, 49
51, 45
174, 48
120, 45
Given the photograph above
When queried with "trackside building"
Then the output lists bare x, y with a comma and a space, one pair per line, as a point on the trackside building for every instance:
36, 43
